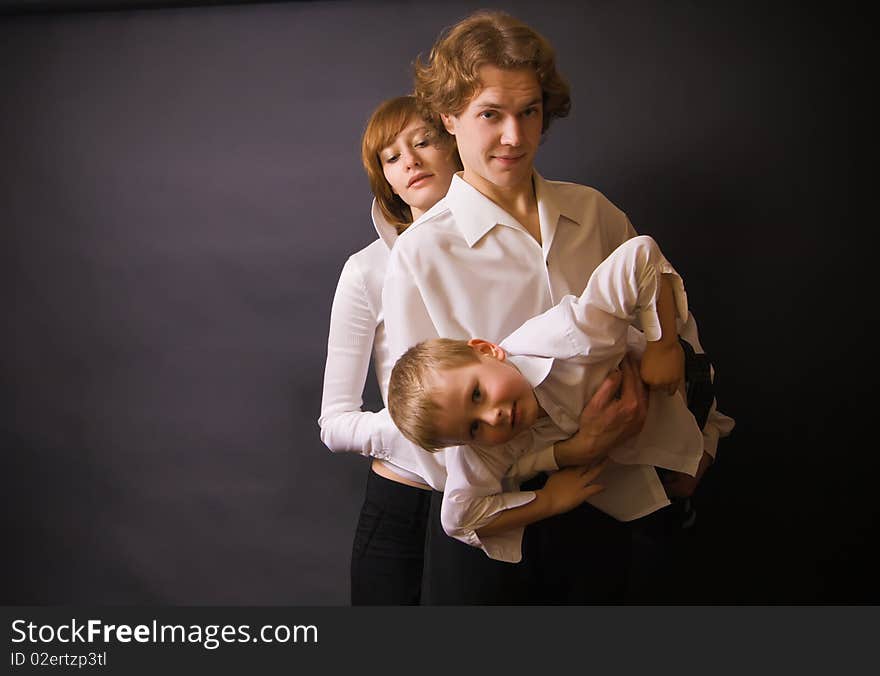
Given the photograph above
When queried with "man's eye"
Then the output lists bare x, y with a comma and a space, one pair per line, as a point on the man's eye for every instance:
475, 395
529, 112
487, 114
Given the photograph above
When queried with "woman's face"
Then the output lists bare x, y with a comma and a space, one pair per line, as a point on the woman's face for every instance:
418, 166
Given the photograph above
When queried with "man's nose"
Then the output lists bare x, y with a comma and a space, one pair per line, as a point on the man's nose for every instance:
511, 134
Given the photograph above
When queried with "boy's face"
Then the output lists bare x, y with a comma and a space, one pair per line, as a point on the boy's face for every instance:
485, 403
499, 130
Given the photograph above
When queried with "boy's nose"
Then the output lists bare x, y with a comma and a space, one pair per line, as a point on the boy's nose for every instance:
494, 416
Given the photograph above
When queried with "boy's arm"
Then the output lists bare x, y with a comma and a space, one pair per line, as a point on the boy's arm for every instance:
663, 360
564, 490
477, 493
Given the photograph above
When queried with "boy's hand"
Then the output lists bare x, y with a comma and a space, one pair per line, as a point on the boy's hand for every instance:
663, 365
607, 420
570, 487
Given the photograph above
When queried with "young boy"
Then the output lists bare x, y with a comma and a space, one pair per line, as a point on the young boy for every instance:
503, 400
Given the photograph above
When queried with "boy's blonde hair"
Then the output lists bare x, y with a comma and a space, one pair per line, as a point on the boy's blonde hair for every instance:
410, 403
450, 77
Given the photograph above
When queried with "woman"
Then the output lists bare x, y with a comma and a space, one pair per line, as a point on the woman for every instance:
410, 161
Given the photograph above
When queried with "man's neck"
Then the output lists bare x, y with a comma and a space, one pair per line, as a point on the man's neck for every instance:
519, 201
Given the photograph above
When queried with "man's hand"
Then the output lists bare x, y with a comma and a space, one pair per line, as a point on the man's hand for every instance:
679, 485
570, 487
607, 420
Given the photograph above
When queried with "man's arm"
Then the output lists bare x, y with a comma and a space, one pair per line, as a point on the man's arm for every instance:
607, 420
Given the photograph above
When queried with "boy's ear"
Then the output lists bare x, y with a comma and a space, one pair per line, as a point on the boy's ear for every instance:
487, 348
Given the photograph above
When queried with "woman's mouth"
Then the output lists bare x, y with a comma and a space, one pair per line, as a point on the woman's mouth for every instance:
418, 179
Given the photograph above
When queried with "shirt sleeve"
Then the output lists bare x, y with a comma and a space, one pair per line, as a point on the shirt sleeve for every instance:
593, 327
353, 322
473, 497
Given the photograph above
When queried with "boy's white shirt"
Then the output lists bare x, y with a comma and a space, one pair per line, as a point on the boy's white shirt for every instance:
565, 354
467, 268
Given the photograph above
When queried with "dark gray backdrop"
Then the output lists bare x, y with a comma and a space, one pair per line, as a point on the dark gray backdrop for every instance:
181, 186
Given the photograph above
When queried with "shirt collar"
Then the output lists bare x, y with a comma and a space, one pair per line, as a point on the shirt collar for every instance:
534, 369
387, 232
475, 214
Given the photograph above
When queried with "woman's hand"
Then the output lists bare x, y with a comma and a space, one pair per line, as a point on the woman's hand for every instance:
607, 420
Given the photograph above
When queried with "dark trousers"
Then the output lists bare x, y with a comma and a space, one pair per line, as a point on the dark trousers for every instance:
389, 544
581, 557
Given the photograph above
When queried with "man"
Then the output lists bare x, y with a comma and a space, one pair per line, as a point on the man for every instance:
503, 246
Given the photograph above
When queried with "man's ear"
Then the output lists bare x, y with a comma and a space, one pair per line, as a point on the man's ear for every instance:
489, 349
448, 122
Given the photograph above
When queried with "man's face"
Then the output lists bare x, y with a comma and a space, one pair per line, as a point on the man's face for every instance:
499, 130
485, 403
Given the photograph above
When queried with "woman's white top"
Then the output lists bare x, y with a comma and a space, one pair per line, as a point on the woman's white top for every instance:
357, 333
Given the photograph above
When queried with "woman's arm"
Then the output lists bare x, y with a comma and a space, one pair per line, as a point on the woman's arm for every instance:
353, 322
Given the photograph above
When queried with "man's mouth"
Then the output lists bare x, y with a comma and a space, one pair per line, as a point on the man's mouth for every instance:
417, 178
509, 159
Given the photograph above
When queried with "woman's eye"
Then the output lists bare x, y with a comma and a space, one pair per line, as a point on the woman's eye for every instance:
392, 159
475, 427
475, 395
421, 144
